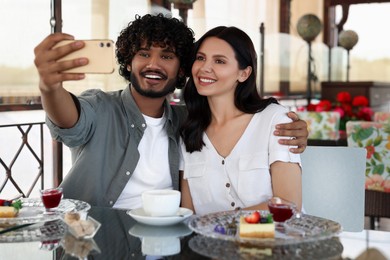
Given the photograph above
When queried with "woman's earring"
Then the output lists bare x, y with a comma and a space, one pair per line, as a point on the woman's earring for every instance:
128, 68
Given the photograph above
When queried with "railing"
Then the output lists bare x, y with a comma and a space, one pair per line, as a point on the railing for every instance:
10, 178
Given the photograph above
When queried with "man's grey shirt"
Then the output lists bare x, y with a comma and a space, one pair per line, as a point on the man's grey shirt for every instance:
104, 145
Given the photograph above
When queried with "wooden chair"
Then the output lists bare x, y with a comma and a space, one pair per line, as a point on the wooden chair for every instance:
333, 184
375, 138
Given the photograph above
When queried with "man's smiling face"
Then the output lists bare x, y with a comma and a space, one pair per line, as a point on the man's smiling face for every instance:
154, 71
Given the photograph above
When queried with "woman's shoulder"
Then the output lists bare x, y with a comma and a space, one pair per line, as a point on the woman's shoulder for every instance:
274, 108
273, 113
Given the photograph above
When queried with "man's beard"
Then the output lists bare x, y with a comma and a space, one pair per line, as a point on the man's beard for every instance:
169, 88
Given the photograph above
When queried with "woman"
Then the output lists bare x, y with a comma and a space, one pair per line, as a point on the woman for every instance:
231, 157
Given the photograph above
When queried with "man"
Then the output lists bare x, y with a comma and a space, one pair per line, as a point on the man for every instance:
125, 142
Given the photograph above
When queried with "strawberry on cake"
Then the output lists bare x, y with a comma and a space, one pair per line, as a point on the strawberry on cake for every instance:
257, 226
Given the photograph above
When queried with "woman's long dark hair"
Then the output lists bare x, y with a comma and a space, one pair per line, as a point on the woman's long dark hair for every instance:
246, 96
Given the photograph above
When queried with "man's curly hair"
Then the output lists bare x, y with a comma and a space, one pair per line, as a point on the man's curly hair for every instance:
155, 29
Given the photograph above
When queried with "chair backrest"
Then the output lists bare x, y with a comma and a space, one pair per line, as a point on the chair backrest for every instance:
375, 138
333, 184
322, 125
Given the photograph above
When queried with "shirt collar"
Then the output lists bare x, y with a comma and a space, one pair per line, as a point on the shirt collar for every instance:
132, 110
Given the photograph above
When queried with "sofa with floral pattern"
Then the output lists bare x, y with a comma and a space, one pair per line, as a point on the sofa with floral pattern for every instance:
382, 117
375, 137
321, 125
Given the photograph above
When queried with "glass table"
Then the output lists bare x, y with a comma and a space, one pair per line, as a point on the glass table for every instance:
121, 237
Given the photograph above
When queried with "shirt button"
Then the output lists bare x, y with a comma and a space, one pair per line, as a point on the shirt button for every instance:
111, 202
232, 204
127, 173
227, 185
143, 125
132, 125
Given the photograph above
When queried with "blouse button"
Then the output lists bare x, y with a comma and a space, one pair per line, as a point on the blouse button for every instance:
143, 125
227, 185
232, 204
132, 125
127, 173
111, 202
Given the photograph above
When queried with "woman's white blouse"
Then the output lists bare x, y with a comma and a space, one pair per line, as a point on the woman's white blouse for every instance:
242, 179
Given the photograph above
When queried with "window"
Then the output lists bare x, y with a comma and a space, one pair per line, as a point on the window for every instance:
23, 24
26, 23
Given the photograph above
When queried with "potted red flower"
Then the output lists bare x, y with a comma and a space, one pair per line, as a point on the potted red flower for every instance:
356, 108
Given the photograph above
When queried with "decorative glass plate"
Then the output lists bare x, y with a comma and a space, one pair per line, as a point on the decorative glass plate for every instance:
32, 211
46, 232
330, 248
304, 229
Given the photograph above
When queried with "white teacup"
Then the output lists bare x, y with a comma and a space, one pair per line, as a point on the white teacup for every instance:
161, 203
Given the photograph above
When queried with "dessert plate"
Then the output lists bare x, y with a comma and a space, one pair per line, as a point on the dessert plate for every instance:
330, 248
140, 216
32, 211
307, 228
47, 232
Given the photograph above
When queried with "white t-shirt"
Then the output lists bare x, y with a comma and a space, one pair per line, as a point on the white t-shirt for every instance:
242, 179
152, 171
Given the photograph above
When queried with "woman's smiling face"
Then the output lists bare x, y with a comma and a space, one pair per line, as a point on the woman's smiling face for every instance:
215, 70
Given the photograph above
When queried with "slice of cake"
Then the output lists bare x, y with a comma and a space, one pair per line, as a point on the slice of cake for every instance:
8, 212
9, 209
257, 226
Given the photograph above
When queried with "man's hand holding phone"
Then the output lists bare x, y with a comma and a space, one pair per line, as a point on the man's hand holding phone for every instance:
60, 58
100, 55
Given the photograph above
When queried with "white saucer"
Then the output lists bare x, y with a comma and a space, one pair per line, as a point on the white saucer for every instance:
140, 216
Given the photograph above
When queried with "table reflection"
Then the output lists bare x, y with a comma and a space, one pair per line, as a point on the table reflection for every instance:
160, 241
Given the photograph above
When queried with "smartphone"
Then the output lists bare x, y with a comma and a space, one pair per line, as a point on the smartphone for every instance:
100, 54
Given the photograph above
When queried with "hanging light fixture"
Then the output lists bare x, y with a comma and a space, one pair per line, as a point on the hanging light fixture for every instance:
308, 27
347, 40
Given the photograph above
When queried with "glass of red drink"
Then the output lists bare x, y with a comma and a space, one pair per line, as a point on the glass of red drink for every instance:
51, 198
281, 209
